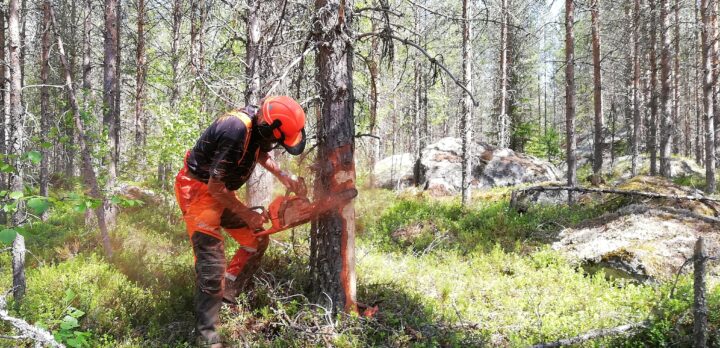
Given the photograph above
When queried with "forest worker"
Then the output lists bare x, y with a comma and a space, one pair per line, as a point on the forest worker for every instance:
220, 163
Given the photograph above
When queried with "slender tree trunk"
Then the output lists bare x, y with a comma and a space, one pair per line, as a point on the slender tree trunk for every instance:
653, 127
503, 112
84, 140
260, 184
676, 86
333, 237
708, 51
597, 78
467, 105
571, 143
665, 98
141, 71
45, 99
373, 61
698, 53
636, 90
4, 132
110, 86
17, 112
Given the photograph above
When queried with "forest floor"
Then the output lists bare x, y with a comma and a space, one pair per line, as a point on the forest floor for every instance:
440, 274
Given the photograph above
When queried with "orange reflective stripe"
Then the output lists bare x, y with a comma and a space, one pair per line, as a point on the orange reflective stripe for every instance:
248, 129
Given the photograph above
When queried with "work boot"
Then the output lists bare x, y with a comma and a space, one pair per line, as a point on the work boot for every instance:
232, 290
210, 270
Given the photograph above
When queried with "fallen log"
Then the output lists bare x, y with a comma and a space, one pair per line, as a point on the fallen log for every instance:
28, 331
699, 198
595, 334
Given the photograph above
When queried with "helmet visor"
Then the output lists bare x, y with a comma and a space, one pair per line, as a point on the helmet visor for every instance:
295, 145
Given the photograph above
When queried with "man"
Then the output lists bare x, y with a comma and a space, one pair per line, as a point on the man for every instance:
219, 164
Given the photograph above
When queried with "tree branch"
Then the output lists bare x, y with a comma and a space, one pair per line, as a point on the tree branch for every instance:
591, 335
27, 330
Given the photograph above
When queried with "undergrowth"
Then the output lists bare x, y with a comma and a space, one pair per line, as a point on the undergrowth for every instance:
439, 274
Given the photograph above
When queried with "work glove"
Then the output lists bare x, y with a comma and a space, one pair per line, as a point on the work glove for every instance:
253, 219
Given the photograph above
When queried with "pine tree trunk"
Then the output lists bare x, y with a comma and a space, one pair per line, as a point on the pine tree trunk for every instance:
84, 141
665, 98
676, 89
140, 73
637, 121
45, 99
110, 84
598, 105
503, 112
571, 143
260, 184
17, 113
4, 131
653, 126
708, 51
332, 259
467, 105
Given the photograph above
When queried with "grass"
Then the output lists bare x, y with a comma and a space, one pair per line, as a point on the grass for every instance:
452, 276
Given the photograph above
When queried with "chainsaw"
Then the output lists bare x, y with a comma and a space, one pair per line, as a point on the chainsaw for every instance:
289, 211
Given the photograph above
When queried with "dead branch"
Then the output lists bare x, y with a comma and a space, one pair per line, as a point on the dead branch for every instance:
28, 331
594, 334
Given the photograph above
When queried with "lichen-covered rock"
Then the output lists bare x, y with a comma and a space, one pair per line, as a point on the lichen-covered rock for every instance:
441, 166
637, 242
395, 172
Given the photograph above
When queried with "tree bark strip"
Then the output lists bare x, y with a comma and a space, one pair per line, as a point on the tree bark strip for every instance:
45, 99
140, 74
637, 121
700, 306
466, 122
110, 84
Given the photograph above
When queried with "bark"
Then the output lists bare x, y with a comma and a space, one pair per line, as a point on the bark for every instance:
110, 84
699, 125
332, 259
503, 111
4, 132
665, 98
174, 53
597, 93
373, 62
676, 89
18, 268
141, 71
708, 51
571, 143
17, 112
45, 99
636, 90
84, 142
467, 105
700, 306
37, 334
652, 127
260, 184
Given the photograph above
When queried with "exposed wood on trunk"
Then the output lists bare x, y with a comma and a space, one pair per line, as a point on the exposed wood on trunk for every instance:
45, 99
708, 51
665, 97
332, 259
17, 112
466, 121
700, 305
570, 141
599, 119
18, 267
84, 142
595, 334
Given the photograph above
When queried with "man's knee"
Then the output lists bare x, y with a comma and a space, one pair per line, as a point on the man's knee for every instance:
209, 262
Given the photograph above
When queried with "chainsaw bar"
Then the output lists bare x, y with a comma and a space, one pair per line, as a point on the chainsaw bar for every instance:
290, 211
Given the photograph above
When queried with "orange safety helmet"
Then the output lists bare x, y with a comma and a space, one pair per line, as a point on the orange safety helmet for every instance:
286, 119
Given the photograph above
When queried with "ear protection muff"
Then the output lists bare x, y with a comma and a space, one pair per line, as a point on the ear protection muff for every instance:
266, 131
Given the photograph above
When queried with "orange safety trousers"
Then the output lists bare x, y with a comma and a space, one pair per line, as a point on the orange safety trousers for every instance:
203, 213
